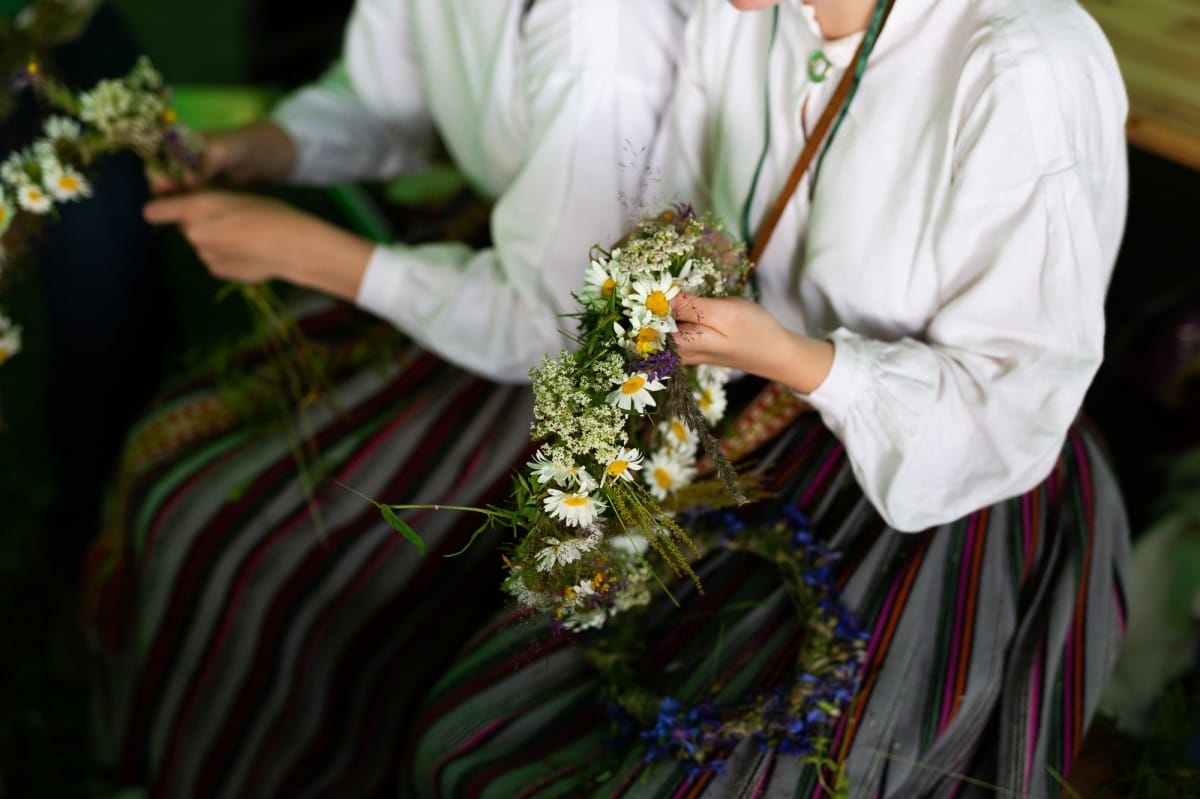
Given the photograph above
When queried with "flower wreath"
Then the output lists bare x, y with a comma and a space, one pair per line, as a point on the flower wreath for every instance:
611, 501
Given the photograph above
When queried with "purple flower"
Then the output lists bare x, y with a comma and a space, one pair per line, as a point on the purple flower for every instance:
657, 366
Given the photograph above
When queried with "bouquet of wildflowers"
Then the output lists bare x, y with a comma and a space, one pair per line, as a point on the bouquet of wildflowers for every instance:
622, 422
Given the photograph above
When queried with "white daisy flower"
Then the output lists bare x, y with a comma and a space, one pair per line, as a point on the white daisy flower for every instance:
573, 507
644, 336
713, 375
59, 128
622, 467
12, 170
601, 281
653, 295
562, 552
679, 436
666, 472
10, 339
634, 392
543, 467
66, 184
33, 198
712, 401
548, 470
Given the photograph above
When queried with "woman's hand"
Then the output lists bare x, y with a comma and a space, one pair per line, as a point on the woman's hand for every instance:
250, 239
261, 152
742, 335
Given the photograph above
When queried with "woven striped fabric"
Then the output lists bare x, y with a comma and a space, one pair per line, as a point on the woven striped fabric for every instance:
991, 639
242, 650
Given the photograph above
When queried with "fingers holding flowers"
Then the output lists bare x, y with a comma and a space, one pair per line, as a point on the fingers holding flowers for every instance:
261, 152
251, 239
739, 334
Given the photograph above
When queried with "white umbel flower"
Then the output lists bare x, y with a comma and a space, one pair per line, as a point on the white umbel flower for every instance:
62, 129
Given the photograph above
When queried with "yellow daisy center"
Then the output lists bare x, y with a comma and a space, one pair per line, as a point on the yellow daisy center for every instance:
706, 399
168, 116
647, 341
663, 478
68, 183
617, 468
678, 430
633, 385
575, 501
33, 195
607, 289
658, 304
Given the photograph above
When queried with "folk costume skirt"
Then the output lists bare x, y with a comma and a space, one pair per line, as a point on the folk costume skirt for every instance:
990, 641
243, 649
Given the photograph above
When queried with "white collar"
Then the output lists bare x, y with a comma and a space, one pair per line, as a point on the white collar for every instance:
840, 51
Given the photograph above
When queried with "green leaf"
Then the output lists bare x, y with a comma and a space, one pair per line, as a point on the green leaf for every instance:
404, 528
478, 532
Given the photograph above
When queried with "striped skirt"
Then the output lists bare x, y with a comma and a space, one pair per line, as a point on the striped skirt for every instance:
243, 649
990, 641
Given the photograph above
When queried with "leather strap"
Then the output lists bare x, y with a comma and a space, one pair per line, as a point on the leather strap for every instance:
812, 146
776, 406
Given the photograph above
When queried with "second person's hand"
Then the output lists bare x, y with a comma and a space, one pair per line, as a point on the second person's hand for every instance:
258, 153
250, 239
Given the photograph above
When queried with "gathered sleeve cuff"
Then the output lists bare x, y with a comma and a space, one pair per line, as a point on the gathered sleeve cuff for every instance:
978, 410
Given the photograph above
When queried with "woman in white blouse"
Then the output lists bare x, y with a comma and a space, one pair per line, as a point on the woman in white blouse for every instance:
245, 650
934, 289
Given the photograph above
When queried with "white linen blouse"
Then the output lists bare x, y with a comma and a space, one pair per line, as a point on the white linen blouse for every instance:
550, 112
960, 238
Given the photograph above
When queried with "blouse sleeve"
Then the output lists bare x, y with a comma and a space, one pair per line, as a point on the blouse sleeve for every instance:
978, 410
367, 117
596, 80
